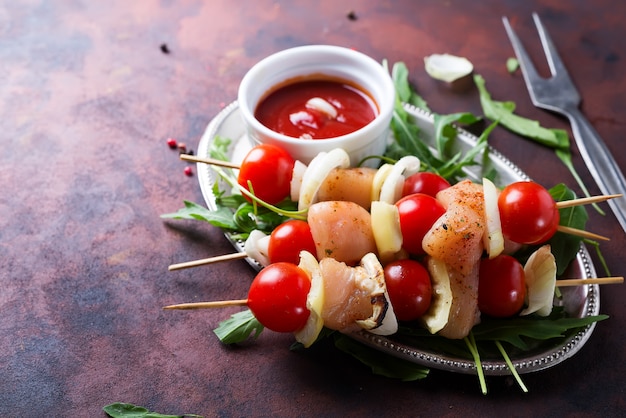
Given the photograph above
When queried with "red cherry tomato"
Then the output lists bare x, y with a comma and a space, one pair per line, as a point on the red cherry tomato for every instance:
288, 239
418, 212
269, 169
501, 286
277, 297
424, 182
409, 288
528, 213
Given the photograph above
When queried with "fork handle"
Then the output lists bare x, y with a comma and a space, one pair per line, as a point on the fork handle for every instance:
600, 162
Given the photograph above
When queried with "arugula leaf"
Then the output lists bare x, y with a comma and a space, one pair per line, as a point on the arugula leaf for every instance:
407, 134
219, 148
238, 328
503, 112
470, 341
453, 168
446, 132
245, 217
407, 142
566, 246
382, 364
511, 367
512, 330
127, 410
405, 92
566, 158
512, 64
222, 217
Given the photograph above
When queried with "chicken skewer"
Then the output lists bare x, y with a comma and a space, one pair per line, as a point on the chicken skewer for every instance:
243, 302
564, 229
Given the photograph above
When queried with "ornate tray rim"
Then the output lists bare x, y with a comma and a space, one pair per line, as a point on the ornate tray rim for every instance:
585, 299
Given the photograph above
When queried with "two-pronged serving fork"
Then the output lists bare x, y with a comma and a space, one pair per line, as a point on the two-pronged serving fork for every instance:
559, 94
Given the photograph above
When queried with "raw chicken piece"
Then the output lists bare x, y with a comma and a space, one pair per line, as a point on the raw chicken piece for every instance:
356, 297
457, 240
341, 230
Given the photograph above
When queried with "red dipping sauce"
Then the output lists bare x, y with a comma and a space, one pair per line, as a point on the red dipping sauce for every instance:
289, 111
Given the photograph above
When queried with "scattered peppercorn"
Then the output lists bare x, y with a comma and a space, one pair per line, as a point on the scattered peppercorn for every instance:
171, 142
188, 171
165, 49
352, 15
182, 147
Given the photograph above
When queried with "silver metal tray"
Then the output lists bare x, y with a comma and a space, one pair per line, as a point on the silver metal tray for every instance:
578, 301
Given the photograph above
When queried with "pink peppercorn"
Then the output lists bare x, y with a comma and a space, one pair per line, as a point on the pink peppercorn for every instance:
171, 142
188, 171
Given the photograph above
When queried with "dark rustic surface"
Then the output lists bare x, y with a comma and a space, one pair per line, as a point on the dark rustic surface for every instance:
89, 93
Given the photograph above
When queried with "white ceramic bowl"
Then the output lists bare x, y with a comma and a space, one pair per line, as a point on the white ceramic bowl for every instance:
307, 61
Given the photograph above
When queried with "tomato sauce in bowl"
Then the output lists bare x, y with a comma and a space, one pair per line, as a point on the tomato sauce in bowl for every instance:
362, 75
316, 109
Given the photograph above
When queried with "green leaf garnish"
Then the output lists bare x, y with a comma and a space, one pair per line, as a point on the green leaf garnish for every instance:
511, 367
446, 132
381, 364
127, 410
520, 330
405, 92
222, 217
238, 328
473, 348
503, 112
512, 64
406, 134
566, 246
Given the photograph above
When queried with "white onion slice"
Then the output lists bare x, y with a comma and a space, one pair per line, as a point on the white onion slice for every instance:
446, 67
436, 317
379, 178
386, 229
493, 239
383, 320
314, 301
299, 168
256, 247
318, 170
323, 106
389, 324
391, 189
540, 274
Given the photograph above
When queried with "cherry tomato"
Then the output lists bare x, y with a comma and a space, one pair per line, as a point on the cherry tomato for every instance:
418, 212
269, 169
288, 239
424, 182
277, 297
409, 288
528, 213
501, 286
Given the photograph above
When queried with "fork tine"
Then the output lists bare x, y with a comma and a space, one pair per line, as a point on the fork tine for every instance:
528, 69
552, 56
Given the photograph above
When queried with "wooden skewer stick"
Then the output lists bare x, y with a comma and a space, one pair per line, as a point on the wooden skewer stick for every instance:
244, 302
211, 161
240, 255
210, 260
581, 233
585, 201
579, 282
205, 305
